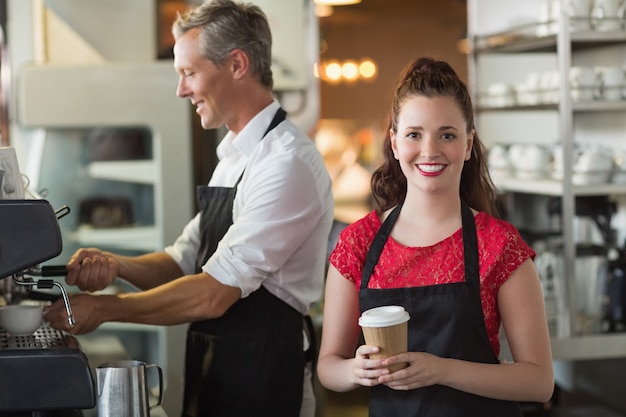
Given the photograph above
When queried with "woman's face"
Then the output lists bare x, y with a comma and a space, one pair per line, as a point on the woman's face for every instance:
431, 143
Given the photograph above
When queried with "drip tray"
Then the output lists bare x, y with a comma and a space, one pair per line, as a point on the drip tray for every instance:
43, 338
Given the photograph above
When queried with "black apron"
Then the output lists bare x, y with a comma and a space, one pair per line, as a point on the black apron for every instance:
446, 320
250, 361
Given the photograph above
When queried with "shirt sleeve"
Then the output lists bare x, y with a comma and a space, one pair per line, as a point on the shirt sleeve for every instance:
349, 254
507, 250
185, 249
277, 206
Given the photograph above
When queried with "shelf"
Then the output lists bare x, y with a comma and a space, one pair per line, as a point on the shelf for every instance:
550, 187
134, 171
130, 327
523, 39
598, 346
144, 238
587, 107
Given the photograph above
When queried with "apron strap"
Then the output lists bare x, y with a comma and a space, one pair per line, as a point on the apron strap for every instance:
279, 117
470, 245
376, 248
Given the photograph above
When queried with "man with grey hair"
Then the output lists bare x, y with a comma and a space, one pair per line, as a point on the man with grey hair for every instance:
249, 265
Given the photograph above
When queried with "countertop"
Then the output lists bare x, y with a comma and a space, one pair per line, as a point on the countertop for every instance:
155, 412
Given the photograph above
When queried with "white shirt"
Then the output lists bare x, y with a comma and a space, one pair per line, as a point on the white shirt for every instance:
282, 214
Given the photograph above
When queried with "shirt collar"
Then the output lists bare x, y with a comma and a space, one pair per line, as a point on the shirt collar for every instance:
250, 135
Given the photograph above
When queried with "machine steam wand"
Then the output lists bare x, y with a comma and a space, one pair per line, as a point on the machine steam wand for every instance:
47, 284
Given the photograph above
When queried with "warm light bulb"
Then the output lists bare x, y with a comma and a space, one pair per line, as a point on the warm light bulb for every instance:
367, 69
323, 10
350, 71
333, 71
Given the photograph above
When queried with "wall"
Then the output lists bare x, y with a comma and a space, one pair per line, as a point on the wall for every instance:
391, 32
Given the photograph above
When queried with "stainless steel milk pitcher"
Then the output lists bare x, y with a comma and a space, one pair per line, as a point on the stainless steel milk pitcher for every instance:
123, 389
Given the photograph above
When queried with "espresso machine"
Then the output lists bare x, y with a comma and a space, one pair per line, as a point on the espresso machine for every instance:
46, 373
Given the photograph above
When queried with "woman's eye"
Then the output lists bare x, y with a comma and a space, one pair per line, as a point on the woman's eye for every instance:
448, 136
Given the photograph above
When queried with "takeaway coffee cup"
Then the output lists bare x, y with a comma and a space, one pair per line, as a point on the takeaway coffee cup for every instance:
387, 328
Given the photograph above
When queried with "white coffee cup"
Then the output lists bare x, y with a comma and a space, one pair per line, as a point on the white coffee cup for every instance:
555, 16
619, 174
583, 83
516, 152
501, 95
612, 80
605, 15
544, 18
498, 161
593, 159
579, 12
533, 162
549, 85
21, 319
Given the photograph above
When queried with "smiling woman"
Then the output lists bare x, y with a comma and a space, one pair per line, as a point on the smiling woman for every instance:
434, 248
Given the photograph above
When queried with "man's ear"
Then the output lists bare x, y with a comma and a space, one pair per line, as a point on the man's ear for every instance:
239, 63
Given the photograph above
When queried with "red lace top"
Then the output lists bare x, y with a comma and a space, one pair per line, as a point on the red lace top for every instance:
501, 251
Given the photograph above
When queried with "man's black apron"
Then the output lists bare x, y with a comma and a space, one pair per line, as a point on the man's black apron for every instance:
446, 320
249, 361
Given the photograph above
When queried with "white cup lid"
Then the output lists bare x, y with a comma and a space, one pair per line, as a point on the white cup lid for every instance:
383, 316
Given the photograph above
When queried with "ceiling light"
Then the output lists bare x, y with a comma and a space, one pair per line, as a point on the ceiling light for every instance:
367, 69
350, 71
332, 71
322, 10
337, 2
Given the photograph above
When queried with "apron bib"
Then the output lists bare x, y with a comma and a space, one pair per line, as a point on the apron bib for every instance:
446, 320
235, 364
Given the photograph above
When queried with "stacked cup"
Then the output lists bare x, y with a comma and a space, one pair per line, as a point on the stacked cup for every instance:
583, 83
608, 15
612, 81
580, 14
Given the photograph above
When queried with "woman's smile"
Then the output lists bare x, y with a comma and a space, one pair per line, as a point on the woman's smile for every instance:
431, 169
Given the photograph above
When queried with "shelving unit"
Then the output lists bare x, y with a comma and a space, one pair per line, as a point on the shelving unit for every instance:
517, 40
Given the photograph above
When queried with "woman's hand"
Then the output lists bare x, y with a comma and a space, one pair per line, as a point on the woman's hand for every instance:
366, 371
424, 369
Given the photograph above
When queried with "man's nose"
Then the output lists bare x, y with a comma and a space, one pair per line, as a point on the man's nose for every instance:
181, 89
